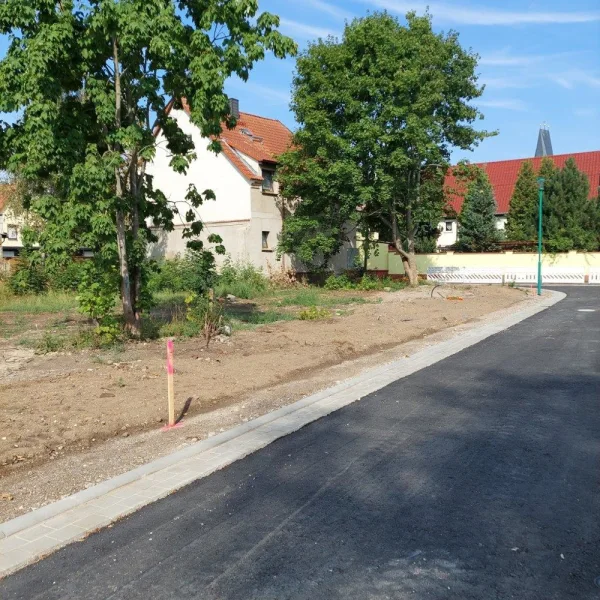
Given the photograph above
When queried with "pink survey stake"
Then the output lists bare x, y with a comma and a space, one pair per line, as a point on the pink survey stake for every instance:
170, 388
170, 368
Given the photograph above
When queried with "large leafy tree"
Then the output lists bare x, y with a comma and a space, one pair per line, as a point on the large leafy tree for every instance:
477, 230
89, 81
568, 213
378, 114
521, 224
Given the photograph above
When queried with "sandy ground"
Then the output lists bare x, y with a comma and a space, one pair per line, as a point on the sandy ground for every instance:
68, 421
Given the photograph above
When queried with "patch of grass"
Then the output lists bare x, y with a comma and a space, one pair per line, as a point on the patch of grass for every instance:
179, 328
318, 297
314, 313
304, 297
242, 280
264, 317
52, 302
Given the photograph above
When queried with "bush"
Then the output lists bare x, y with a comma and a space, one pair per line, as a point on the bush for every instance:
339, 282
242, 280
195, 272
28, 278
67, 277
206, 313
313, 313
367, 284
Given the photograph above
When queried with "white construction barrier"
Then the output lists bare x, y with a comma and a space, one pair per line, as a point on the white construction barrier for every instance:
521, 275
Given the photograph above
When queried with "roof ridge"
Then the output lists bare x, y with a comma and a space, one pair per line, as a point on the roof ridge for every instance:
488, 162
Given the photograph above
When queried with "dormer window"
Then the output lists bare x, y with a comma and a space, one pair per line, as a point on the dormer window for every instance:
268, 176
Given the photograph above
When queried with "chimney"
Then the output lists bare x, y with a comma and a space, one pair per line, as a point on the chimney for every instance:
234, 108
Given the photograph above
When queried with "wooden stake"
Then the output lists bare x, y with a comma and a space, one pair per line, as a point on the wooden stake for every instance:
170, 386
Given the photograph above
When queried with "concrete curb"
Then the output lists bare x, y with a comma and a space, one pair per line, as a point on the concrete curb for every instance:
33, 535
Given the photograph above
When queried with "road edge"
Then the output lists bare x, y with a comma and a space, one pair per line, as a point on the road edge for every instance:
27, 538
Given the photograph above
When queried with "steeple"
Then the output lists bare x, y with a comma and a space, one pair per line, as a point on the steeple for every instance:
544, 144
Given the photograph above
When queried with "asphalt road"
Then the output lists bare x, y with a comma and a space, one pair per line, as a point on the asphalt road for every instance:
476, 478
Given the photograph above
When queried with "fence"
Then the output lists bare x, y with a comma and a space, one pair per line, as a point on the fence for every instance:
493, 267
517, 275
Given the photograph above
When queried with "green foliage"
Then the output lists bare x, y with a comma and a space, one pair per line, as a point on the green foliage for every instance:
314, 313
66, 277
365, 283
242, 280
193, 273
477, 221
339, 282
97, 293
521, 224
86, 84
206, 313
378, 114
569, 222
28, 278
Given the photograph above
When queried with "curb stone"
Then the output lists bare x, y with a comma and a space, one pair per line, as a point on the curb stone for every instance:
27, 538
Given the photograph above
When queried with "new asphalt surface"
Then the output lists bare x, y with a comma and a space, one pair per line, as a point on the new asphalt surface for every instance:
476, 478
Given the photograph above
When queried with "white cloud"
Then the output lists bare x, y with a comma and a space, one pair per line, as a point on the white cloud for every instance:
481, 15
505, 104
305, 32
570, 79
330, 9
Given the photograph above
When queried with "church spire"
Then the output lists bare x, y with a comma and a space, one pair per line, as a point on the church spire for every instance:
544, 144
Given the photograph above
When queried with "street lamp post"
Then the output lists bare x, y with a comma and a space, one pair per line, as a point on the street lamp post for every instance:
541, 206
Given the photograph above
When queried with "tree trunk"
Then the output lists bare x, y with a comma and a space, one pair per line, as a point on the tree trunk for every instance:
132, 322
409, 260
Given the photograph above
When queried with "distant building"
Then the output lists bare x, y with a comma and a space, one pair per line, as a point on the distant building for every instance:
503, 177
544, 143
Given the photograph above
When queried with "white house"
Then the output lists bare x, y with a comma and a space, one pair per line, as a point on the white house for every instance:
11, 225
247, 210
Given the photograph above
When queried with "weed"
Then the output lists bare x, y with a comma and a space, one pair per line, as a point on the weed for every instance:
50, 342
304, 297
263, 318
120, 382
313, 313
242, 280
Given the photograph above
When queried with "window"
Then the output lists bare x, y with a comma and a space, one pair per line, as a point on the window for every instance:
265, 240
12, 232
448, 225
267, 184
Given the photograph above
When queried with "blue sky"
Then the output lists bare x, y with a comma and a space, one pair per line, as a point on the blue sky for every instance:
540, 61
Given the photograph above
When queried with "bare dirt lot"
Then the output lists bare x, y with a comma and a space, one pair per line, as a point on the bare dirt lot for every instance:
69, 420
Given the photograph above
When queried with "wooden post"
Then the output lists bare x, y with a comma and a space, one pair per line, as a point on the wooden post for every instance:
170, 387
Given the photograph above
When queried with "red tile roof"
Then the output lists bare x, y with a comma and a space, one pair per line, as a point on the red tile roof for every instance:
260, 138
503, 176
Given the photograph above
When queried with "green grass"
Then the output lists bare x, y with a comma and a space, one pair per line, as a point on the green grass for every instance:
51, 302
262, 317
316, 296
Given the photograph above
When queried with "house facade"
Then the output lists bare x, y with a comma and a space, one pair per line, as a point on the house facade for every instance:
503, 177
247, 212
11, 225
